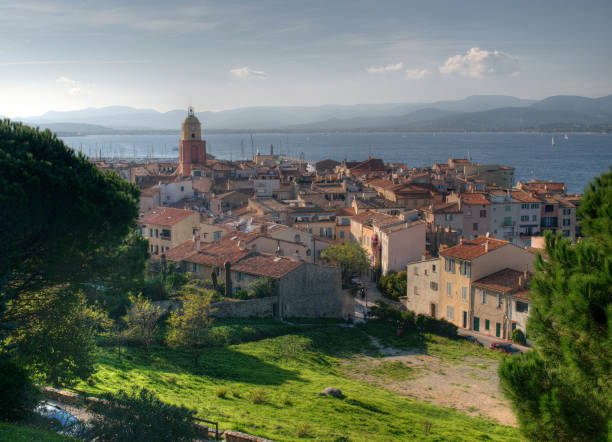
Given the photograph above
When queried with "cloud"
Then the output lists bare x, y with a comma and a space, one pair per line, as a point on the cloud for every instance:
479, 63
385, 69
244, 72
74, 87
416, 74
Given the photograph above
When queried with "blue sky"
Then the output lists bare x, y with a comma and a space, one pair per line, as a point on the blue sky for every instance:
62, 55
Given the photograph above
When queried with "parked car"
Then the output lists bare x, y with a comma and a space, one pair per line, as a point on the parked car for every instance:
504, 347
65, 422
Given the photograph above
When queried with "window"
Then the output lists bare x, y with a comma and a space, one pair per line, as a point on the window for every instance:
507, 209
166, 234
484, 297
433, 286
499, 301
507, 221
239, 276
475, 226
566, 233
464, 293
487, 324
156, 233
522, 307
525, 206
341, 234
524, 217
433, 268
534, 218
449, 289
483, 213
449, 312
150, 233
535, 206
566, 222
449, 265
308, 252
155, 249
322, 232
217, 236
182, 188
465, 268
567, 211
549, 208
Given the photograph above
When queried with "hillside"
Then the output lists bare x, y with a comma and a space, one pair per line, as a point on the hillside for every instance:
263, 377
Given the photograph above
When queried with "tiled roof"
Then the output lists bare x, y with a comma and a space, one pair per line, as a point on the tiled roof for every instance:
165, 216
525, 197
445, 208
472, 249
474, 198
382, 183
242, 259
378, 219
504, 281
371, 164
345, 211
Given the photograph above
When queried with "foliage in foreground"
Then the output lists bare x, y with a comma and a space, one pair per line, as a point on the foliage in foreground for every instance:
562, 390
408, 320
393, 285
140, 416
20, 433
19, 396
55, 334
349, 257
143, 319
187, 328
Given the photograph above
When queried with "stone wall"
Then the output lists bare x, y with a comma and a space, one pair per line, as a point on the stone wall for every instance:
314, 291
250, 308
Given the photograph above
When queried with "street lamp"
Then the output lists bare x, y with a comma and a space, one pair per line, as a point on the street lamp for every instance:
364, 294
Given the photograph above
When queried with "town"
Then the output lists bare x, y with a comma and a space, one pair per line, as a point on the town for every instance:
465, 234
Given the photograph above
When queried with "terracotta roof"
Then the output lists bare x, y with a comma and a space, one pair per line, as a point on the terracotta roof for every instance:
371, 164
504, 281
382, 183
472, 249
242, 259
378, 219
345, 211
543, 186
474, 198
525, 197
165, 216
444, 208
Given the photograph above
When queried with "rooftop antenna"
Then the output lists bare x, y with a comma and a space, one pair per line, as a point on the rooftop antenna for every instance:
252, 148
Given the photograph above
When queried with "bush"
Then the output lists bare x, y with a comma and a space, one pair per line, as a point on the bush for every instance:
241, 294
221, 392
19, 396
140, 415
518, 336
393, 285
259, 396
407, 319
262, 288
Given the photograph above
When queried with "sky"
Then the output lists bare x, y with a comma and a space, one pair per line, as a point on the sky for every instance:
215, 55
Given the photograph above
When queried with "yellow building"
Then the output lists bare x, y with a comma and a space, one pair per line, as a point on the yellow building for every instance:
166, 227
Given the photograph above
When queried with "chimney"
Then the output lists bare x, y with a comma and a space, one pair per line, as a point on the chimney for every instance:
521, 282
461, 241
196, 239
486, 245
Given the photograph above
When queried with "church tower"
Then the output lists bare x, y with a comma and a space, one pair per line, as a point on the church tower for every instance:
192, 149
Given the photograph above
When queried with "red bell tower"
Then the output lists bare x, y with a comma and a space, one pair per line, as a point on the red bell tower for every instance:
192, 149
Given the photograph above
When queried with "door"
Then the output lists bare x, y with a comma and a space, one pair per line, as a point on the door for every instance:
498, 329
465, 320
476, 323
433, 310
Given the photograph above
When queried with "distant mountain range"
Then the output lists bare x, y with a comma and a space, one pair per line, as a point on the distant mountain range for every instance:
475, 113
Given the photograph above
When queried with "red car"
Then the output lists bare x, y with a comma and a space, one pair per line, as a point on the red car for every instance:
504, 347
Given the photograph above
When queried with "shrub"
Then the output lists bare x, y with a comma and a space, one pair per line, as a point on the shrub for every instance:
241, 294
140, 415
518, 336
262, 288
393, 285
304, 430
259, 396
19, 396
221, 392
407, 319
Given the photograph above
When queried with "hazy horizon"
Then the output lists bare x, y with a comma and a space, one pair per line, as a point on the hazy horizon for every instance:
64, 55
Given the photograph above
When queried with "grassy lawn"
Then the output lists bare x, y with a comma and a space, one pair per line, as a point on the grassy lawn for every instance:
18, 433
267, 386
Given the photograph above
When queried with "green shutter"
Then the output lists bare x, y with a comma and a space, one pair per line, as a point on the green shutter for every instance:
476, 323
498, 329
487, 324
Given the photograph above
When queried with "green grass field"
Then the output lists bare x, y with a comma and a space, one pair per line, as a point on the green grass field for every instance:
18, 433
267, 386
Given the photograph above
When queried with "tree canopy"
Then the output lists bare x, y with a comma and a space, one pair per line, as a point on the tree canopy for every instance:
562, 389
60, 215
350, 257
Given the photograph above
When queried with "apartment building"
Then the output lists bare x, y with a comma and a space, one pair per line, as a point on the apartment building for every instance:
529, 215
505, 213
167, 227
470, 261
423, 287
476, 209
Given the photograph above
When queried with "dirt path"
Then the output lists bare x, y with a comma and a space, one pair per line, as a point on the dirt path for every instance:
471, 387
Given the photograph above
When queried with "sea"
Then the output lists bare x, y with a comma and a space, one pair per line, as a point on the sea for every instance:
574, 158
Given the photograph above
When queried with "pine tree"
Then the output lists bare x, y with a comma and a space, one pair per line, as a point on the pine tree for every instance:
562, 389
